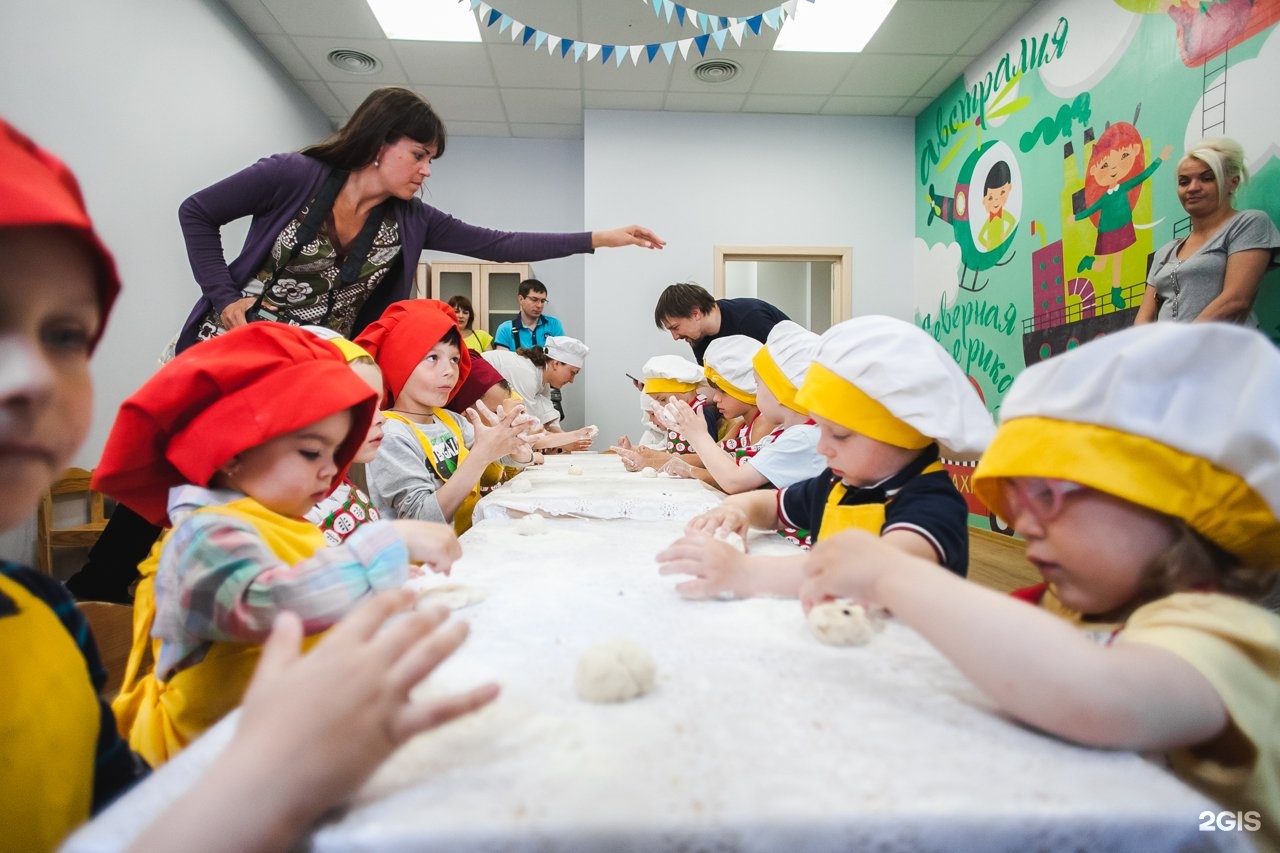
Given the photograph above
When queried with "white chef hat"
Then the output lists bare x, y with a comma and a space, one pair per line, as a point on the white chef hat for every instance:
563, 348
728, 363
890, 380
784, 359
1181, 419
670, 374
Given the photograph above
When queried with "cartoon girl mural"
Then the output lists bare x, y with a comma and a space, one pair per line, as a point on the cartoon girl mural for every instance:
1111, 188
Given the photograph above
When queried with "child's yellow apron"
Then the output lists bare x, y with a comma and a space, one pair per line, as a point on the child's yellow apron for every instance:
492, 475
159, 718
869, 517
49, 723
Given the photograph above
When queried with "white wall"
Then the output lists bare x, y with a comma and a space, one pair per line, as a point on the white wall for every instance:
521, 185
705, 179
147, 102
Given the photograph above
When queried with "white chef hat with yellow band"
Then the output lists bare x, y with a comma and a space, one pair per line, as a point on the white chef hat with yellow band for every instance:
728, 363
889, 380
670, 374
784, 359
1180, 419
350, 350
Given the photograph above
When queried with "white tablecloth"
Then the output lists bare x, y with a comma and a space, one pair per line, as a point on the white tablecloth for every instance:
603, 490
756, 737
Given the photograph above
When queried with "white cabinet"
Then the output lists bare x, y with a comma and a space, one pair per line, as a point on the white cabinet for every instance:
492, 288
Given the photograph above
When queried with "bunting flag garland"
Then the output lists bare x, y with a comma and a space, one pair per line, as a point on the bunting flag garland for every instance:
715, 29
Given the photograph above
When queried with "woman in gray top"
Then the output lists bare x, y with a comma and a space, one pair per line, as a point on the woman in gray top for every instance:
1213, 272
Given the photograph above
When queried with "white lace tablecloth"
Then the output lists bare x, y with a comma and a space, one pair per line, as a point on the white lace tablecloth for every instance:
755, 738
603, 490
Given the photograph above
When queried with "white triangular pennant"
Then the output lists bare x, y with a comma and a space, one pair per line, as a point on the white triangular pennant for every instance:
635, 51
484, 9
790, 7
593, 50
553, 44
684, 47
736, 32
516, 30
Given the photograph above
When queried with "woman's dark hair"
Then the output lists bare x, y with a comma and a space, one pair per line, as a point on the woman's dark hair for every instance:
679, 300
460, 301
386, 116
535, 354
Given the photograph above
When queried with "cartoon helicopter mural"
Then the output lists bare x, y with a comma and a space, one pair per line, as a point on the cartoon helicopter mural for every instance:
985, 234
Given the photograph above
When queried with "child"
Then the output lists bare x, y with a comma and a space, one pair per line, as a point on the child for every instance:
668, 378
884, 396
1142, 470
431, 462
229, 445
61, 754
341, 513
533, 373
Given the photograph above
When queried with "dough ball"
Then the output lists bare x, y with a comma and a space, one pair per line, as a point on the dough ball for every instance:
452, 595
841, 623
592, 430
649, 472
575, 470
732, 537
531, 525
614, 671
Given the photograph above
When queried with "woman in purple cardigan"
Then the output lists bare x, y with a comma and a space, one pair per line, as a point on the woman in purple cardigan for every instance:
337, 229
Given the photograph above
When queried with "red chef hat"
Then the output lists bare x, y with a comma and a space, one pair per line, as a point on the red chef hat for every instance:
220, 398
403, 336
37, 189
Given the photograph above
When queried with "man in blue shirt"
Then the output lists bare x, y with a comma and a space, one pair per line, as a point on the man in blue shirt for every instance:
692, 314
531, 327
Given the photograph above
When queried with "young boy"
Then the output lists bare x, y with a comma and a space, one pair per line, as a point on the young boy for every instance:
884, 396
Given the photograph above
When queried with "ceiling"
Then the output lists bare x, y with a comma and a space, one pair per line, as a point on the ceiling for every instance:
505, 88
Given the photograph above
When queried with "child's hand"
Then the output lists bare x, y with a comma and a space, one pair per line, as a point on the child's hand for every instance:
631, 459
319, 724
847, 565
582, 439
677, 467
623, 442
433, 544
725, 517
504, 438
716, 565
688, 422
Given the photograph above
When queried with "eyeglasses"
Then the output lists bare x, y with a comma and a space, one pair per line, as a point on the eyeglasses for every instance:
1041, 496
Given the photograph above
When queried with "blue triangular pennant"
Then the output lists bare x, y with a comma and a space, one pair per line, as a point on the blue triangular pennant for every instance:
538, 40
701, 43
771, 18
528, 34
724, 22
680, 10
719, 35
565, 45
494, 17
605, 53
651, 50
668, 49
754, 23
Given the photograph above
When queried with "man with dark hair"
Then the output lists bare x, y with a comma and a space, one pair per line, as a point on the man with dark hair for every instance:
531, 327
690, 313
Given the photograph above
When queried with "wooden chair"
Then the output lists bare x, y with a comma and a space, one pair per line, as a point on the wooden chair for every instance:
112, 627
73, 482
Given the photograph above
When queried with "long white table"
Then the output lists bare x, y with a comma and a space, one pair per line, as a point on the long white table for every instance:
603, 490
755, 738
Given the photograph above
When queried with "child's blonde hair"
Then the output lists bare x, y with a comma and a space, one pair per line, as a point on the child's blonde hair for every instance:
1191, 561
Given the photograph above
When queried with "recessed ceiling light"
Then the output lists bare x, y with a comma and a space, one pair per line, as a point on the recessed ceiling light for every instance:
716, 71
353, 61
426, 20
833, 26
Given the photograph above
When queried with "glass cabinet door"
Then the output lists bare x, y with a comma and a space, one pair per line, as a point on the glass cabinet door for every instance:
501, 283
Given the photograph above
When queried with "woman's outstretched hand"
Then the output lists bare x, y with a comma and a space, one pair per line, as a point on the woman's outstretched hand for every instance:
630, 235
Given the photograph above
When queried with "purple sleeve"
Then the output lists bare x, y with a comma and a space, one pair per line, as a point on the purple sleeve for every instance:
445, 233
256, 191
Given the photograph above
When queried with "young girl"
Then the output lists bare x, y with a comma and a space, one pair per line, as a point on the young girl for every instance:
1111, 187
1142, 470
885, 397
341, 513
62, 756
669, 378
431, 462
230, 444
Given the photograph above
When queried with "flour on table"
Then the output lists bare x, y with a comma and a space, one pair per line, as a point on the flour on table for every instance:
518, 485
614, 671
531, 525
842, 623
649, 472
452, 595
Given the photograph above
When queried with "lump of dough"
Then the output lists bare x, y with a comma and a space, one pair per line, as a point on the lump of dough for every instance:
531, 525
575, 470
518, 485
451, 595
732, 537
649, 472
614, 671
841, 623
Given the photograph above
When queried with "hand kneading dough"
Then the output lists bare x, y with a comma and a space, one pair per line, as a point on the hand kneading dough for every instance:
575, 470
614, 671
649, 472
531, 525
841, 623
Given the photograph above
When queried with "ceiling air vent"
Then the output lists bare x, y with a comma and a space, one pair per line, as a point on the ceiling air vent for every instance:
716, 71
353, 61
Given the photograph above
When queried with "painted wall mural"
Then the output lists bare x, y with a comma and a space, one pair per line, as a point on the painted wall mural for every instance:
1046, 174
